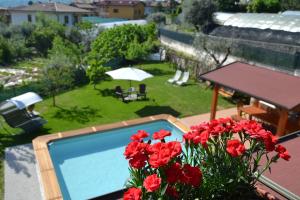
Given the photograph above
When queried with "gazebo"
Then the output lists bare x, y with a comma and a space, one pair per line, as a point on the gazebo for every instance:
276, 88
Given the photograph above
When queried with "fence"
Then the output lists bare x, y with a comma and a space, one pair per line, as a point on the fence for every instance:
280, 56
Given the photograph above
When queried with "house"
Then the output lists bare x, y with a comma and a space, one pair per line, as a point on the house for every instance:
159, 6
65, 14
120, 9
85, 6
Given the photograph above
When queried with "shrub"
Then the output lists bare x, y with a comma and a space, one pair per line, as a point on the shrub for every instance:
220, 159
158, 18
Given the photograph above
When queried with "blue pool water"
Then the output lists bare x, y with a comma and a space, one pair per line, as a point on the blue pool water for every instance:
93, 165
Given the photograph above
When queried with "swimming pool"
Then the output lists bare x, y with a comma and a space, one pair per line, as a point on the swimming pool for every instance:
92, 165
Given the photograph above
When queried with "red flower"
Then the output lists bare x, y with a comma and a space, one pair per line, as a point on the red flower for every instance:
139, 135
162, 153
160, 135
172, 192
191, 175
235, 148
134, 148
138, 161
160, 158
174, 173
133, 194
152, 183
174, 147
282, 152
202, 138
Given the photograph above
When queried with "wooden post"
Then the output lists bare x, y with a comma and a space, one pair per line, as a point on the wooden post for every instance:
283, 118
214, 103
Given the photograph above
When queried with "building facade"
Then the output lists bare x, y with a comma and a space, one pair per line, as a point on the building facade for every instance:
120, 9
64, 14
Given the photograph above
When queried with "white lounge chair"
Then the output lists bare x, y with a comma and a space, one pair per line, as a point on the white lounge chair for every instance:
184, 79
176, 76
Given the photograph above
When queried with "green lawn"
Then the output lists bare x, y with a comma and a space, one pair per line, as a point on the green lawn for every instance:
86, 106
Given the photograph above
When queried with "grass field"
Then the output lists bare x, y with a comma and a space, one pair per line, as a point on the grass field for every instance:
86, 106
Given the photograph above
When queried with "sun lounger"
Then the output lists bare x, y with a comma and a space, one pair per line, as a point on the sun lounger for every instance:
184, 79
176, 77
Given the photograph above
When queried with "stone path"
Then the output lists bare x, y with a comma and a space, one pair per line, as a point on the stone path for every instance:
196, 119
21, 180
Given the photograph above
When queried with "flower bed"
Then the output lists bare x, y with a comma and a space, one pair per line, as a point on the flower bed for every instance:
216, 160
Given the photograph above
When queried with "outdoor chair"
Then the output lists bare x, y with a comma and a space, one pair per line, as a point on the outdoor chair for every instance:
176, 76
184, 79
120, 93
142, 91
16, 118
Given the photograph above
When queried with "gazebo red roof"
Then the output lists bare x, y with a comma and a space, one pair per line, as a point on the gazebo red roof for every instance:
275, 87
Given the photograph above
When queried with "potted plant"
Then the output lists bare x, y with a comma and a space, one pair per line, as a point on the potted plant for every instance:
219, 159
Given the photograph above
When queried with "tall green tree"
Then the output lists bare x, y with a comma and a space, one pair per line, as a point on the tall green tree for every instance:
120, 42
58, 75
199, 13
44, 33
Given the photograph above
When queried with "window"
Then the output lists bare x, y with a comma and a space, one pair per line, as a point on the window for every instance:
66, 20
116, 10
29, 18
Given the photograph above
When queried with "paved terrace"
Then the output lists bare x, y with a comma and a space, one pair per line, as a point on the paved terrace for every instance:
21, 177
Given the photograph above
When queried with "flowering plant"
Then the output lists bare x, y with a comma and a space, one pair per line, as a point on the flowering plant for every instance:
219, 159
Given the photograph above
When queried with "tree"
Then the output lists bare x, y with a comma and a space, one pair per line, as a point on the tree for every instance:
96, 73
227, 5
44, 33
67, 48
57, 75
290, 4
214, 50
269, 6
158, 18
198, 12
114, 43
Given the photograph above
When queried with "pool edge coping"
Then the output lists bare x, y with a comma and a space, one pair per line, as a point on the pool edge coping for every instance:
49, 182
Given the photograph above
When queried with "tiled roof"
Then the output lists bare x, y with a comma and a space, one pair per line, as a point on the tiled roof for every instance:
271, 86
116, 3
83, 5
50, 7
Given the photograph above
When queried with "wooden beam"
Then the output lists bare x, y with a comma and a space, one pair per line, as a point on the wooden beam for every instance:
214, 102
255, 103
282, 122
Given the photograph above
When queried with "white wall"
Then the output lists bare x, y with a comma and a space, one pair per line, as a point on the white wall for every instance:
18, 18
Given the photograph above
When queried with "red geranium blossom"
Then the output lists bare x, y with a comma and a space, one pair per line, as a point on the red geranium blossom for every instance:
191, 175
133, 194
139, 135
282, 152
160, 135
152, 183
235, 148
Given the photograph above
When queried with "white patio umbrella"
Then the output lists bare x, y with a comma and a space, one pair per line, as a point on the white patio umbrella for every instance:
129, 73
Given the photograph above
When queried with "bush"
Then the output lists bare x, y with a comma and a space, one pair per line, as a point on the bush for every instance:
158, 18
214, 164
269, 6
